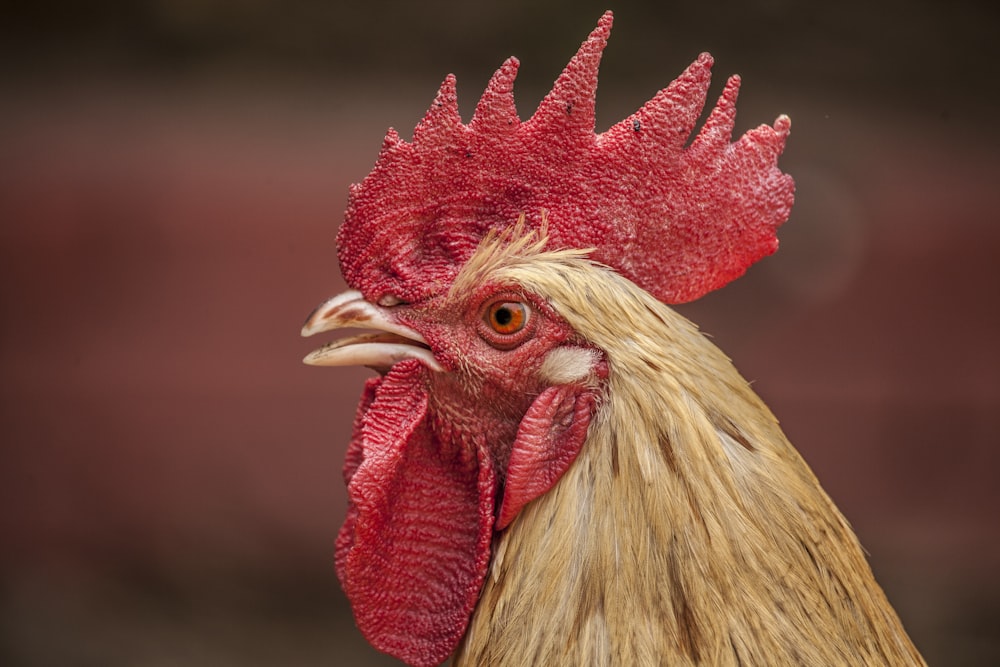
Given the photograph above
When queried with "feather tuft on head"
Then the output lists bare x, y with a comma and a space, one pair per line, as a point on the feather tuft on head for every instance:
678, 221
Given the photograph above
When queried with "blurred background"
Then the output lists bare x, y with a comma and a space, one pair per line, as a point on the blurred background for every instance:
173, 172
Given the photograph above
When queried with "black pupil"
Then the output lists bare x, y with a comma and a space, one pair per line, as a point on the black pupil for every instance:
503, 316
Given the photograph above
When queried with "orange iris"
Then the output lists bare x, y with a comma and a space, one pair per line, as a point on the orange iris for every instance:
507, 317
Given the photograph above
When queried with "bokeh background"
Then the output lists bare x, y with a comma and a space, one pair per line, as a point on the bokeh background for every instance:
172, 174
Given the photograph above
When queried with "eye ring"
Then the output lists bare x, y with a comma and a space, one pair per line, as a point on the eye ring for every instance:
506, 321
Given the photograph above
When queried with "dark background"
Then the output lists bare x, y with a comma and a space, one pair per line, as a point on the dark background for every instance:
172, 175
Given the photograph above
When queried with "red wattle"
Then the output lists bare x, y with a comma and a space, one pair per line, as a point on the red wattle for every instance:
548, 441
414, 550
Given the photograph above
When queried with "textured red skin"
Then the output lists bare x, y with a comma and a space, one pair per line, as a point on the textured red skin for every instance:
551, 435
353, 459
677, 221
414, 549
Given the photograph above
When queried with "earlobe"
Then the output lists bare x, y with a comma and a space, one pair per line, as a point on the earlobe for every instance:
569, 363
548, 441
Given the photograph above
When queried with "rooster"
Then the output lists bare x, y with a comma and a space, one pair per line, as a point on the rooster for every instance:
552, 467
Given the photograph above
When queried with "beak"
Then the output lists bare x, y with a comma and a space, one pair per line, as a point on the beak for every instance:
394, 342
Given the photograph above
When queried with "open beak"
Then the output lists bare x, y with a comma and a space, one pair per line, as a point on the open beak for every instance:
392, 342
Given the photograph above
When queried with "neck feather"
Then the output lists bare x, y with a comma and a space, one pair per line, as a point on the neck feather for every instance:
687, 531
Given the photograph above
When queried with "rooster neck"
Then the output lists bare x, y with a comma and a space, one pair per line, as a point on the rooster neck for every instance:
466, 424
688, 531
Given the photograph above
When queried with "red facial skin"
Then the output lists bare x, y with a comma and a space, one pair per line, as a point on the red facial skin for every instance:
427, 470
492, 378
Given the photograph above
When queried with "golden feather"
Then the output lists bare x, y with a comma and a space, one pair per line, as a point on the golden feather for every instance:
689, 530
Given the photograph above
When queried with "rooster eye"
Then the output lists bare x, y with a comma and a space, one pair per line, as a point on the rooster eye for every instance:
507, 317
505, 321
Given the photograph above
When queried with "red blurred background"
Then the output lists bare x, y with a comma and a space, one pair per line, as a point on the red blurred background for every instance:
172, 175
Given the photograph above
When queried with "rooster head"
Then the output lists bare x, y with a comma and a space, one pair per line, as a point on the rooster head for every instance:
484, 393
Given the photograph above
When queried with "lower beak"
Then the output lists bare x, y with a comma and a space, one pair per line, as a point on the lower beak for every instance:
391, 343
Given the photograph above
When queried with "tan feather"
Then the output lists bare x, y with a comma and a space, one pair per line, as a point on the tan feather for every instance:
689, 530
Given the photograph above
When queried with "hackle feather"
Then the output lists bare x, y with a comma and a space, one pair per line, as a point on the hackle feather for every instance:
689, 531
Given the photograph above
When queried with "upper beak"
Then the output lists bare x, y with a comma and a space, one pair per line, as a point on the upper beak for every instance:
380, 351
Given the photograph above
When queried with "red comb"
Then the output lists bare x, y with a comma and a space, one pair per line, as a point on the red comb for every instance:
678, 221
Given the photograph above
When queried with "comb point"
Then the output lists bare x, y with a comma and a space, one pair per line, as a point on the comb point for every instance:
571, 103
496, 110
442, 117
